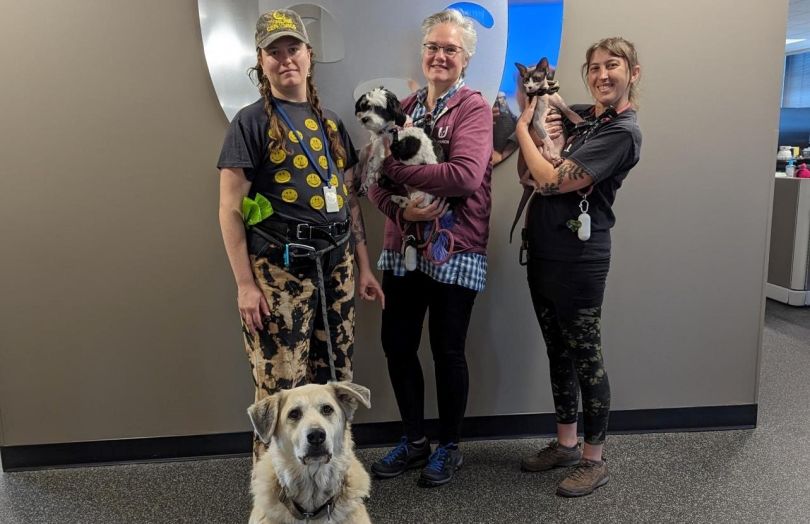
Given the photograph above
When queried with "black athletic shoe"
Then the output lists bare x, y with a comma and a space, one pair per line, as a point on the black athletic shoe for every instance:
441, 466
403, 457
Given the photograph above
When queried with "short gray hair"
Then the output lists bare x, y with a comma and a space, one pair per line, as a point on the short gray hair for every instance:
468, 35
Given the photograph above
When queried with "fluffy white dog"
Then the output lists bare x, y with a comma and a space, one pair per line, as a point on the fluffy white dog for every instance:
310, 473
380, 112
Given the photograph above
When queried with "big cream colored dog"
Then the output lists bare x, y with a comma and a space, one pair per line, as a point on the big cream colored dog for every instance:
310, 473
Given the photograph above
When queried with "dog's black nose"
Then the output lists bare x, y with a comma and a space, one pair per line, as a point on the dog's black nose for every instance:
316, 437
365, 119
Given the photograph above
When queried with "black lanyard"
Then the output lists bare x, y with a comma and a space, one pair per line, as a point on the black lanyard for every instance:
301, 142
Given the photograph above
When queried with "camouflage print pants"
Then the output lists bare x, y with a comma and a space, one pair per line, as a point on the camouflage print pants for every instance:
291, 350
567, 303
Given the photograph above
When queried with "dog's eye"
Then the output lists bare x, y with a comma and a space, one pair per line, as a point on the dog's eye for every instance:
326, 409
294, 414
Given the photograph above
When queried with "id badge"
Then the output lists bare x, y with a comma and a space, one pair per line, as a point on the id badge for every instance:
330, 196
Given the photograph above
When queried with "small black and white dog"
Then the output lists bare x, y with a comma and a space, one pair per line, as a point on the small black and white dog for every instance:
380, 112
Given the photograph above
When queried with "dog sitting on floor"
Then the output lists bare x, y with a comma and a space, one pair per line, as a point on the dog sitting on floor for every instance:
310, 472
380, 112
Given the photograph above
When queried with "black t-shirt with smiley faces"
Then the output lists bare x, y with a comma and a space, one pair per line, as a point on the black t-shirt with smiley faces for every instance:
288, 179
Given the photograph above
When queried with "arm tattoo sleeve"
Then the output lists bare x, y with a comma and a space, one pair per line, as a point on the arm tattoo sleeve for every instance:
358, 226
567, 169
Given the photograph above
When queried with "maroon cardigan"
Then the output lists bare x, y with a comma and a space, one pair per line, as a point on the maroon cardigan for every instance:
464, 132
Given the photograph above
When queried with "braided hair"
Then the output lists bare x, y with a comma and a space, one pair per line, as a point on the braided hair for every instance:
275, 127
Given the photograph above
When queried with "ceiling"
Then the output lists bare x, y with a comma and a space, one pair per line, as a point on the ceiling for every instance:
798, 26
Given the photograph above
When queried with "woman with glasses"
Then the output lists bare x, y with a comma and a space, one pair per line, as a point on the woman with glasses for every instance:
460, 121
568, 233
287, 211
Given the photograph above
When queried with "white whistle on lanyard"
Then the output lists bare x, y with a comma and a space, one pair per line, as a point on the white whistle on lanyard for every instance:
584, 231
410, 257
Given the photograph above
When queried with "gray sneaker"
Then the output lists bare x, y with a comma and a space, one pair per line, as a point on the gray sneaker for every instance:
554, 455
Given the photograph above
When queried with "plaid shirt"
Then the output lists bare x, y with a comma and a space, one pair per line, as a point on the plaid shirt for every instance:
419, 113
464, 269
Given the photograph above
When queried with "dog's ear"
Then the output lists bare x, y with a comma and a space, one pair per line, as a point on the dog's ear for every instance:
542, 65
521, 69
349, 394
360, 104
393, 107
263, 415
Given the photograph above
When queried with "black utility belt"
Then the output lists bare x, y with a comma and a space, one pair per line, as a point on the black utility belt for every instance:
294, 231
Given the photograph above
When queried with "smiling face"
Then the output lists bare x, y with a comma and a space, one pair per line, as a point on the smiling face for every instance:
440, 70
609, 79
286, 64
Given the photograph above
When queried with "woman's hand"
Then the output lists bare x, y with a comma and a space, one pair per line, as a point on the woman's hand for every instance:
369, 288
253, 306
554, 124
414, 213
525, 119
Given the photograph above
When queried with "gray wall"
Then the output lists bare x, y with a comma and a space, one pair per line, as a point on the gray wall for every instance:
117, 310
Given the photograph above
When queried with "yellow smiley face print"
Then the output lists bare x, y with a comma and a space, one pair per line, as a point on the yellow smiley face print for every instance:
345, 190
333, 181
332, 125
289, 195
283, 176
277, 156
313, 180
311, 124
340, 163
300, 161
323, 162
293, 136
340, 201
317, 202
315, 143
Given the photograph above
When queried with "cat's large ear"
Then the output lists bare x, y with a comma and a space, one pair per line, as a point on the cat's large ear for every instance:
550, 75
542, 65
521, 69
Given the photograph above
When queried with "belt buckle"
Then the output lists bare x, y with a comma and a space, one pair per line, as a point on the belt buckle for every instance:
300, 235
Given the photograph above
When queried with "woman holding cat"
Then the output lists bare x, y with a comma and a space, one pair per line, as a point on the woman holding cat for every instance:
568, 241
460, 120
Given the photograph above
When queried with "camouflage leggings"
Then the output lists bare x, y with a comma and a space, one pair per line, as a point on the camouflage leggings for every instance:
291, 349
570, 316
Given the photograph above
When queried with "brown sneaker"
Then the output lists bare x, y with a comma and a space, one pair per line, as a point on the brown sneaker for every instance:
555, 455
585, 478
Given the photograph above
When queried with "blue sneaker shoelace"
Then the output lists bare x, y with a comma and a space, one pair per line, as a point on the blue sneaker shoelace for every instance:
438, 459
399, 452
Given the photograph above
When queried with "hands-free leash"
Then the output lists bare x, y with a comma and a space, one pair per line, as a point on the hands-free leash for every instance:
293, 250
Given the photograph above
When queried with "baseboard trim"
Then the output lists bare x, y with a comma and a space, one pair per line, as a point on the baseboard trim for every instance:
28, 457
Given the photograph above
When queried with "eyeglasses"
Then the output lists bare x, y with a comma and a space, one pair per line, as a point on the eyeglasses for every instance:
449, 50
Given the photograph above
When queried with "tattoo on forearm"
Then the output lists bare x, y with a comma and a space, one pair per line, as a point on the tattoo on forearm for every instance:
569, 170
358, 227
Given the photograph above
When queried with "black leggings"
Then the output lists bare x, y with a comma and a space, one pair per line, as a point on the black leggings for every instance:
407, 298
567, 298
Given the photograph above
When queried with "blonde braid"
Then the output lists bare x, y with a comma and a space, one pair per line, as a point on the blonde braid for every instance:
335, 143
275, 130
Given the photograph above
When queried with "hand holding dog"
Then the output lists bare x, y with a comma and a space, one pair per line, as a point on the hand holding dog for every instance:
414, 213
253, 307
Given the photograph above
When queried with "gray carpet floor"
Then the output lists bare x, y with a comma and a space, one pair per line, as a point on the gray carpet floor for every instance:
759, 475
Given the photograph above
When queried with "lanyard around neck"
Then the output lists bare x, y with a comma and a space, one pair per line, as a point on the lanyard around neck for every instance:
302, 143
